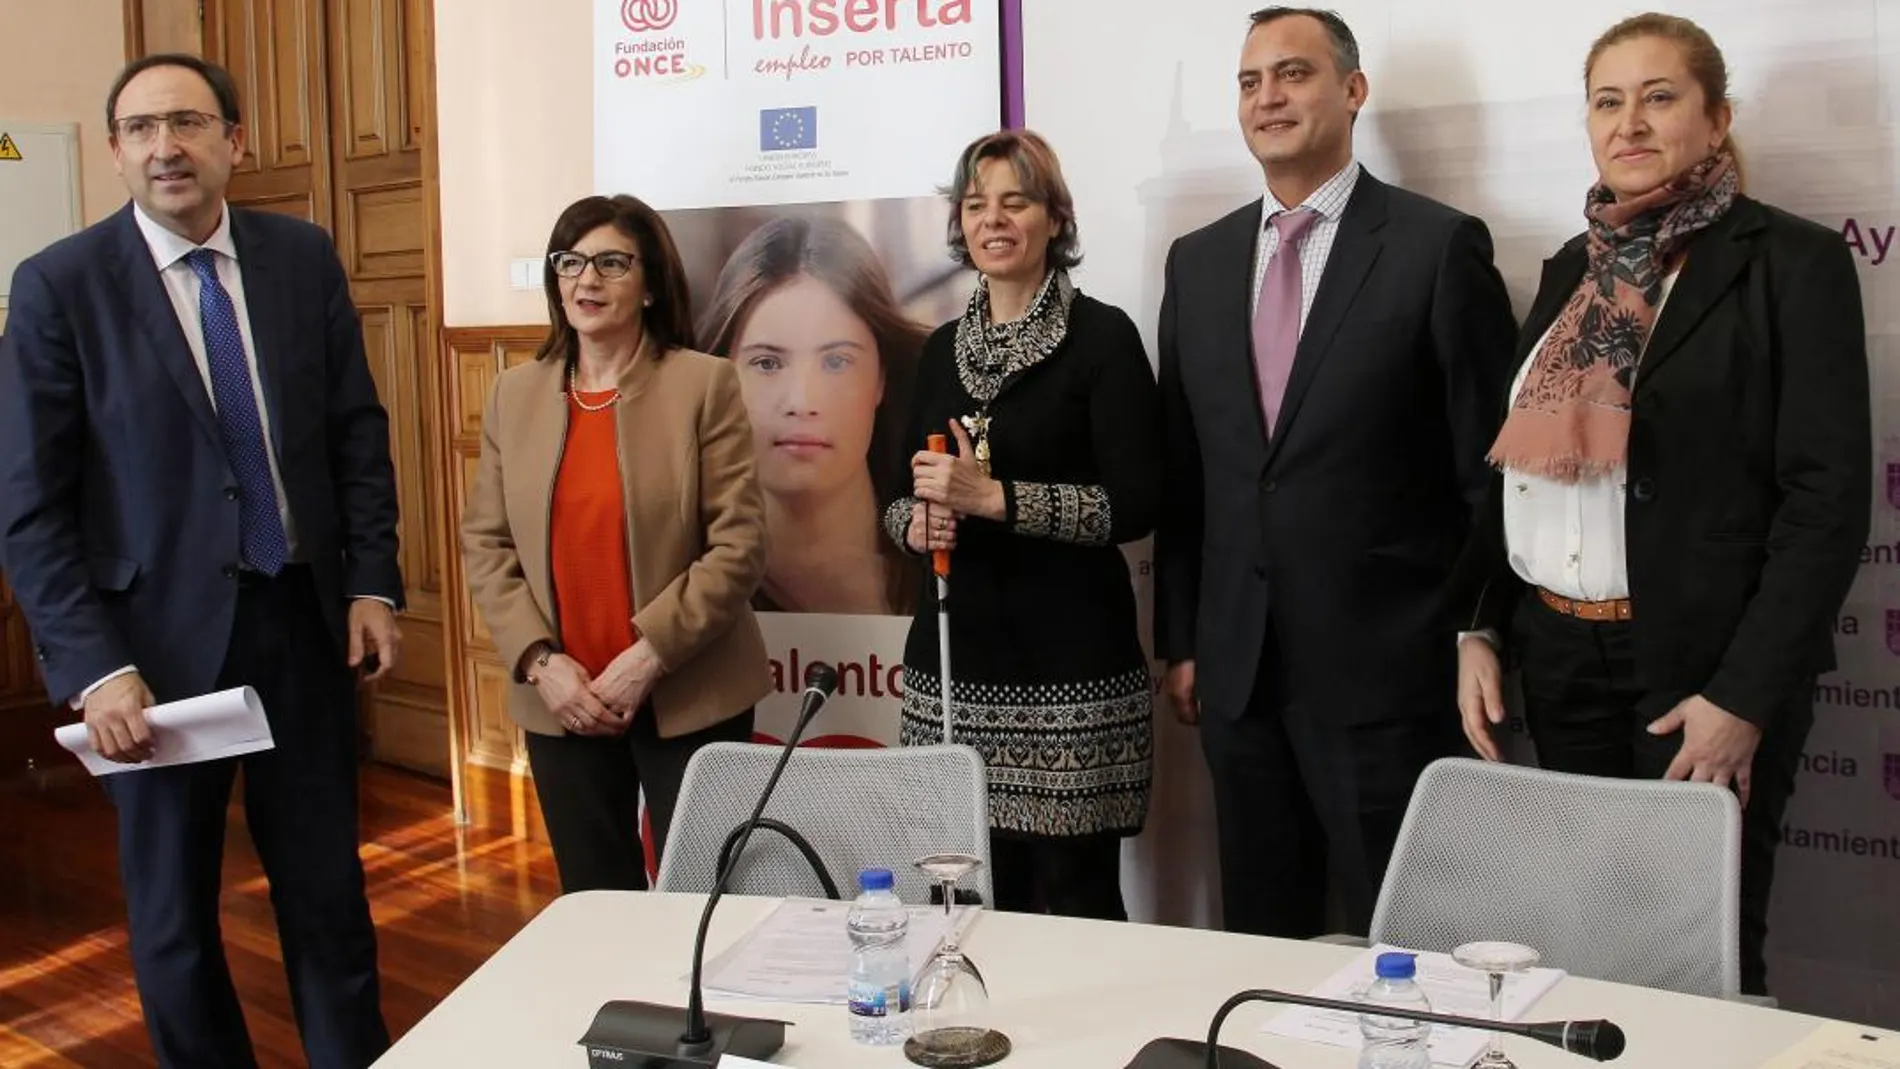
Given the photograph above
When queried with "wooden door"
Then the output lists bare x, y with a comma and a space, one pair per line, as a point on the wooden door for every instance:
381, 105
491, 754
339, 100
27, 719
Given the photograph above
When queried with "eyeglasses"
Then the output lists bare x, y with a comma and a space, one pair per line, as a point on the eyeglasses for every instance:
609, 264
185, 126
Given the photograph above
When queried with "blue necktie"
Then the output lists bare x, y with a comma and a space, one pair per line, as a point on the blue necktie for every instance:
260, 527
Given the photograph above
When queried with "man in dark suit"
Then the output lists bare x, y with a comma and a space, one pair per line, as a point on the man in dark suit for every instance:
1332, 358
196, 494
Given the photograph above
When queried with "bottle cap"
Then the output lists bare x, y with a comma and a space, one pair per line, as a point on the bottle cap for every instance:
876, 880
1396, 966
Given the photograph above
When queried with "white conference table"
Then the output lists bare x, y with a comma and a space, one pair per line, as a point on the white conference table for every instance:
1070, 993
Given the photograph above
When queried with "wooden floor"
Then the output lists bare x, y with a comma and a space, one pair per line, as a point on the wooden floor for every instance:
444, 899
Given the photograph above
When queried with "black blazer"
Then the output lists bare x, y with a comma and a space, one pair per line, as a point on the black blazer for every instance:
1344, 527
118, 509
1749, 465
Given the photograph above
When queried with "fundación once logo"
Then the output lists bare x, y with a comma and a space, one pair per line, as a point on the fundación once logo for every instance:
1893, 631
1890, 775
652, 57
644, 16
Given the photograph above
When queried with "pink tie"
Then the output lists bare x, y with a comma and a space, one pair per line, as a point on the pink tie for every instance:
1276, 319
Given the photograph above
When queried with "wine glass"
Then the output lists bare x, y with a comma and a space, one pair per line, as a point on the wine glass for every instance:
1495, 959
950, 1007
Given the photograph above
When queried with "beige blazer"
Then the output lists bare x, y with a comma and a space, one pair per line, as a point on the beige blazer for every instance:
695, 530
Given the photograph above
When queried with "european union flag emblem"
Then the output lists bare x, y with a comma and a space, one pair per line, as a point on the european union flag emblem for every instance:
784, 129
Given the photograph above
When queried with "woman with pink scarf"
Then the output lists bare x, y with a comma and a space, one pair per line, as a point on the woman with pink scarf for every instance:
1683, 471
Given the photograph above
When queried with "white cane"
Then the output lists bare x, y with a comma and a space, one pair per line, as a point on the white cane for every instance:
940, 564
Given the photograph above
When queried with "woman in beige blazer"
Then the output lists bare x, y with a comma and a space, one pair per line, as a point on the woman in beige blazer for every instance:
614, 538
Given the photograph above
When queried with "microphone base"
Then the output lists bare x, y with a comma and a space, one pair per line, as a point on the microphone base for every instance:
646, 1035
1171, 1053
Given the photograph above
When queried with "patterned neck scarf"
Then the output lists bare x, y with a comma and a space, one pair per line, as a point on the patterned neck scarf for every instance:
1571, 419
989, 353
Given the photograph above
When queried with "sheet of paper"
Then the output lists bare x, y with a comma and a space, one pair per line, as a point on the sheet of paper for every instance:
1450, 987
210, 726
801, 952
1839, 1045
733, 1061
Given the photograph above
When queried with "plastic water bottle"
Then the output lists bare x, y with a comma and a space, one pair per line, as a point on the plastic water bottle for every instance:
879, 987
1392, 1042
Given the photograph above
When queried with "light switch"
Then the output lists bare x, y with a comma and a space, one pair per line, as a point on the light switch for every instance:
524, 273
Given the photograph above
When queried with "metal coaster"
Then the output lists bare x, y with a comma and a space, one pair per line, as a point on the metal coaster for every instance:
958, 1048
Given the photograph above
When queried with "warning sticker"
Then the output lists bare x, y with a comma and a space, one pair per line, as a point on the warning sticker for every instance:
9, 150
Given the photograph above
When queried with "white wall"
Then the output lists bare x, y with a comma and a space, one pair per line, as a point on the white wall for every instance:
59, 61
1479, 103
514, 104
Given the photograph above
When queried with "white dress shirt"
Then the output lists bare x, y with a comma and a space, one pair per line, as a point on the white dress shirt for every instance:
1568, 537
1329, 200
181, 285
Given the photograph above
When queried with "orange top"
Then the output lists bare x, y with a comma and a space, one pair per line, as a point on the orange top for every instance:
593, 580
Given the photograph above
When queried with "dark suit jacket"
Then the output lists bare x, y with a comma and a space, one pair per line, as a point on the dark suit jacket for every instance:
1748, 466
118, 509
1336, 538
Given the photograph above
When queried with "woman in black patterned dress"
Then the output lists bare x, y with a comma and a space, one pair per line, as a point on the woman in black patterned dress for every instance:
1049, 400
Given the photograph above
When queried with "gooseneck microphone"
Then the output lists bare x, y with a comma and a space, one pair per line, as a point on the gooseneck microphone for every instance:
1598, 1040
649, 1035
820, 681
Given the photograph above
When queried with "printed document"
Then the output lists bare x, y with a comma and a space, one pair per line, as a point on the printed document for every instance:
225, 724
801, 952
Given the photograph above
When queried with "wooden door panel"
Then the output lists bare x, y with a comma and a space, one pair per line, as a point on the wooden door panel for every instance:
383, 235
386, 231
390, 337
231, 40
275, 52
416, 106
294, 31
365, 32
297, 204
423, 562
153, 26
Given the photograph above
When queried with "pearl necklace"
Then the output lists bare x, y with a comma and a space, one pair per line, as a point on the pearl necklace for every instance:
574, 391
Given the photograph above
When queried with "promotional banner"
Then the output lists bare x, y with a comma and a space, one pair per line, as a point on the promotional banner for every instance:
810, 216
717, 103
1469, 108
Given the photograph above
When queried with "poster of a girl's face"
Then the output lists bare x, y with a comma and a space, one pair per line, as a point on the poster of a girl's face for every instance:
827, 358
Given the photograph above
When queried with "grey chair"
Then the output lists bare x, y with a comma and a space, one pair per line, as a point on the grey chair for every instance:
1633, 881
859, 809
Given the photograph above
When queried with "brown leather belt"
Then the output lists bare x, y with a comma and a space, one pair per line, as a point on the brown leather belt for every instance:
1597, 611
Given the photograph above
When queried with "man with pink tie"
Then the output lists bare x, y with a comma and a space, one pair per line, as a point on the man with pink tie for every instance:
1332, 366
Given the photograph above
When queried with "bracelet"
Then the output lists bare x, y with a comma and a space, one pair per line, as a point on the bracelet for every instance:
541, 661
